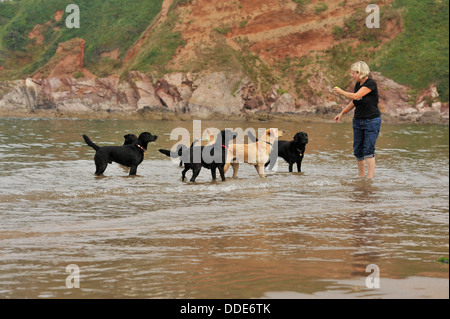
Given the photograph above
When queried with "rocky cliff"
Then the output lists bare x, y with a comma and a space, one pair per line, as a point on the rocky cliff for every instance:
242, 58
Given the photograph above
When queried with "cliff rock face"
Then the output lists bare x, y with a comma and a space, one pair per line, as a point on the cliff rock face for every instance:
267, 32
211, 95
216, 93
68, 60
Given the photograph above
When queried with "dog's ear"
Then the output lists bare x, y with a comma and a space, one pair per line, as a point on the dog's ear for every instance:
231, 135
221, 136
274, 132
210, 134
269, 132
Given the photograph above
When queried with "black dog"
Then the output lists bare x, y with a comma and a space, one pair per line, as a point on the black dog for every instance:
129, 139
291, 151
130, 155
211, 157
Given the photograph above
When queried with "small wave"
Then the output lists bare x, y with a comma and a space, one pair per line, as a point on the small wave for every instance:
67, 194
222, 187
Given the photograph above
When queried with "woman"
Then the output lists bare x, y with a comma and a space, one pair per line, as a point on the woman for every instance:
367, 118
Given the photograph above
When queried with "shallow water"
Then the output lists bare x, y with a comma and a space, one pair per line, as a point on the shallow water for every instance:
309, 234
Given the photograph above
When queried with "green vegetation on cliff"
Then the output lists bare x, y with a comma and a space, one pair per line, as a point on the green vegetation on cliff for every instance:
104, 25
418, 56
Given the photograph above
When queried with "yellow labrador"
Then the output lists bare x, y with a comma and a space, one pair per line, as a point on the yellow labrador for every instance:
256, 154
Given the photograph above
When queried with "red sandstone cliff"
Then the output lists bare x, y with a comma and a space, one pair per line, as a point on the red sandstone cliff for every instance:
272, 30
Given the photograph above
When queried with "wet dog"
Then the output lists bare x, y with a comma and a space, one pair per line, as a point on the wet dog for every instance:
212, 156
129, 139
130, 155
211, 138
256, 153
291, 151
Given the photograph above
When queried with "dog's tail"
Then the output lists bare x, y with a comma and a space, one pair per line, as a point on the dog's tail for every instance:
174, 154
165, 152
90, 143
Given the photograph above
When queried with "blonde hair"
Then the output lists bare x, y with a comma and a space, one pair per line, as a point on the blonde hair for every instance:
362, 68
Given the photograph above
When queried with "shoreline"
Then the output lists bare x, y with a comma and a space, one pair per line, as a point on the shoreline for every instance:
165, 115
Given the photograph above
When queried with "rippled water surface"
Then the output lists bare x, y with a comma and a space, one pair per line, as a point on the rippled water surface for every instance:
309, 234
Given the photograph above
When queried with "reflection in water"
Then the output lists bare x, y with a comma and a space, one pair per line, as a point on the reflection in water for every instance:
367, 241
365, 191
157, 237
366, 225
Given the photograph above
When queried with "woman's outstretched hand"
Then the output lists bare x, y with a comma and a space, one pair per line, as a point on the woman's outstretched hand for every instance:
338, 118
338, 90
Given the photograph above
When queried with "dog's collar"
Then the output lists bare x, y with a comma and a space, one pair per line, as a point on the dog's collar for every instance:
225, 147
268, 143
143, 149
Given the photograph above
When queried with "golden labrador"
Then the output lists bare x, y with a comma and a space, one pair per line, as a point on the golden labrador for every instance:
256, 154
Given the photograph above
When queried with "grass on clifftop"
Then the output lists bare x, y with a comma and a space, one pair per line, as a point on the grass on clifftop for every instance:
104, 25
159, 48
420, 55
